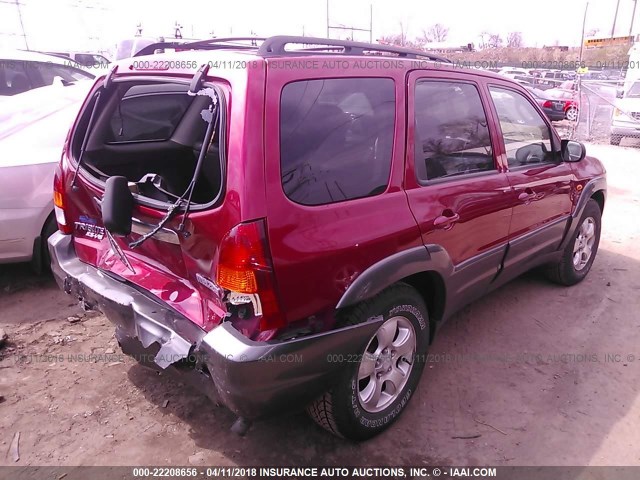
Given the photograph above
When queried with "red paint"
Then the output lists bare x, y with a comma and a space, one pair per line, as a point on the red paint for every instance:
318, 251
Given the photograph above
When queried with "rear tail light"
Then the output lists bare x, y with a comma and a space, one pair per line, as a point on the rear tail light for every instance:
548, 104
245, 267
59, 202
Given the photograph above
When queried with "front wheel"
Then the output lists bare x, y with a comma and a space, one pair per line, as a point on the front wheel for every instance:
371, 392
580, 252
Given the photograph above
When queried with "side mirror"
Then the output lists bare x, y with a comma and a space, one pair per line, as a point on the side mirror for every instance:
117, 206
619, 93
572, 151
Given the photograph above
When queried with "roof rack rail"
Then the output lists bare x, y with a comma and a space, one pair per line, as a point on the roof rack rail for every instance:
227, 40
151, 48
276, 46
209, 44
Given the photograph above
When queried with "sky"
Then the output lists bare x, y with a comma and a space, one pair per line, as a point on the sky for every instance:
98, 24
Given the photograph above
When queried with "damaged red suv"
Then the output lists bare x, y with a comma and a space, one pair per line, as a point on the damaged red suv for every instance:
286, 221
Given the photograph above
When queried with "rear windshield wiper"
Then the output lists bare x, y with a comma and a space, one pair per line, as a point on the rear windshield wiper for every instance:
211, 116
105, 86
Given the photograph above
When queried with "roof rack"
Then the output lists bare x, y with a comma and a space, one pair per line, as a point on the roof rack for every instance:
276, 47
209, 44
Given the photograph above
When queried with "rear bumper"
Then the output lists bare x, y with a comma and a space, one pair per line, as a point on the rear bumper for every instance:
628, 130
554, 115
253, 379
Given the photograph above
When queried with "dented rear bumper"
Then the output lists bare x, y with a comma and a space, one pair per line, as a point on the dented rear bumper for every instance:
253, 379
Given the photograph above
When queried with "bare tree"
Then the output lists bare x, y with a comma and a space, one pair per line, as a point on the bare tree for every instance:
484, 37
514, 40
494, 40
403, 34
435, 33
389, 40
399, 39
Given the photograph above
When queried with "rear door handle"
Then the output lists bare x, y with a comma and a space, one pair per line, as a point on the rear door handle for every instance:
446, 221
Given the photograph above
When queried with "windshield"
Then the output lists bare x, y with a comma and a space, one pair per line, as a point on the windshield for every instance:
634, 91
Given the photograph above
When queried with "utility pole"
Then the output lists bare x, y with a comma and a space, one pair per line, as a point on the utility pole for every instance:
351, 28
328, 19
615, 19
371, 22
24, 34
584, 22
633, 16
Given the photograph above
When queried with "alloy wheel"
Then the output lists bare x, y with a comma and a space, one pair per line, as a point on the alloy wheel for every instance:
583, 246
386, 364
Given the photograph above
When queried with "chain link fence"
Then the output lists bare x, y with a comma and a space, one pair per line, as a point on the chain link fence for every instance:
602, 117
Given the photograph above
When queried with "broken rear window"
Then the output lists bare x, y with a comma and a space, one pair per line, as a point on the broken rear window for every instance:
152, 133
148, 113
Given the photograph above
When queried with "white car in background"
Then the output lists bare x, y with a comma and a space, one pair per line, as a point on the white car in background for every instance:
21, 71
33, 127
512, 72
626, 115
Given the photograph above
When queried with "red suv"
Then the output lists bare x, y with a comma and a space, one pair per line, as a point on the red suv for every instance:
287, 221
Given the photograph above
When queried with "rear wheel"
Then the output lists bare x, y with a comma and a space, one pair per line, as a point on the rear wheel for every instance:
371, 392
580, 252
615, 139
571, 114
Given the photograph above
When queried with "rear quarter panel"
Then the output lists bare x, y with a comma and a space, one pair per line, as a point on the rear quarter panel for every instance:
25, 204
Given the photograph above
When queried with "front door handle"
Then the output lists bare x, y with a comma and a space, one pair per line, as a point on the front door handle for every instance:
446, 221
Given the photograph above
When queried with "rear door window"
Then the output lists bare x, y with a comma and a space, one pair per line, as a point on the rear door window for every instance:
336, 138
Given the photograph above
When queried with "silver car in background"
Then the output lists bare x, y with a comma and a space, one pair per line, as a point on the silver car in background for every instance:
33, 127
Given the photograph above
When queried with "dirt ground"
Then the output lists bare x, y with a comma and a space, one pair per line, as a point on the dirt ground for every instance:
525, 371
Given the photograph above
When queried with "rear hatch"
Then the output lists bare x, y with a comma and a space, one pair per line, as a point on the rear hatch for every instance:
151, 131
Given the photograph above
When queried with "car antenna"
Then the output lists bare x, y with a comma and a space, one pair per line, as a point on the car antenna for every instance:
105, 85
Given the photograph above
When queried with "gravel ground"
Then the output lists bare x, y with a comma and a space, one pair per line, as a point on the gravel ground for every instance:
524, 373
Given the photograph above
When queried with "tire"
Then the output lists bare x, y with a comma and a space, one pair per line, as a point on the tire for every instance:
575, 264
50, 227
571, 114
351, 409
615, 139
